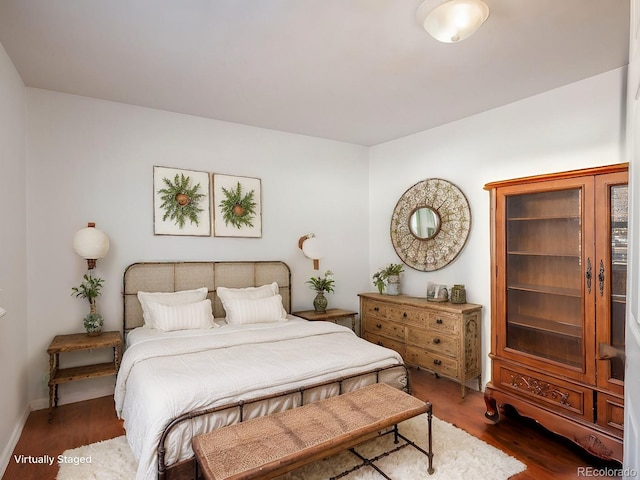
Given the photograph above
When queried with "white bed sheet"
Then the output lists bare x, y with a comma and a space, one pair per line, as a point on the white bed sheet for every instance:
166, 374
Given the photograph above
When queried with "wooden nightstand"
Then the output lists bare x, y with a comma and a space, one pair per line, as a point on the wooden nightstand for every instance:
331, 315
74, 342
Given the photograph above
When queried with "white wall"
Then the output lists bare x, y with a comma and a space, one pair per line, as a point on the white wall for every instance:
579, 125
13, 259
91, 160
632, 343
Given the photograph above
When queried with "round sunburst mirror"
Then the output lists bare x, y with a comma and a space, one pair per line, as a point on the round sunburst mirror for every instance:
430, 224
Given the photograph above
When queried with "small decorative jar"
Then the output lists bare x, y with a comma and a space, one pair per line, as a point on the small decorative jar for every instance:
458, 294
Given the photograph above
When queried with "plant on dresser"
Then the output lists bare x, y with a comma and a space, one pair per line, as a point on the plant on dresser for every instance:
443, 338
558, 303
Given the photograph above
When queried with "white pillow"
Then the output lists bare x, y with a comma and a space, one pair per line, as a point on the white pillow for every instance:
258, 310
169, 298
264, 291
249, 293
183, 316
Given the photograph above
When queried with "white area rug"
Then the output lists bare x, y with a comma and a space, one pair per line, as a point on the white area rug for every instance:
457, 455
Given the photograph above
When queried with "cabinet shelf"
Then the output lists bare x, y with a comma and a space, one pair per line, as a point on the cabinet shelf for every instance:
544, 325
548, 290
544, 218
531, 253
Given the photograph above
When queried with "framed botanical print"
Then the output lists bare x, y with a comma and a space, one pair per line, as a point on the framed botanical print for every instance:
237, 206
181, 202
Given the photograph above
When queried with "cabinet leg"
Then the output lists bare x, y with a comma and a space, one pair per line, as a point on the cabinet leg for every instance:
462, 389
492, 408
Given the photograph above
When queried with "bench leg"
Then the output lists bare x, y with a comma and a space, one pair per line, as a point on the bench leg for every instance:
430, 454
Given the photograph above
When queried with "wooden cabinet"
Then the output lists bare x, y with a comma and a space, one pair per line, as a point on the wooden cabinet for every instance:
440, 337
559, 249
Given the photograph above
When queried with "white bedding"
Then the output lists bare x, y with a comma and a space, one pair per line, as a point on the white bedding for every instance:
166, 374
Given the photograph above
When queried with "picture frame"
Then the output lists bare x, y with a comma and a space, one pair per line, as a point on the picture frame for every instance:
437, 293
181, 202
237, 206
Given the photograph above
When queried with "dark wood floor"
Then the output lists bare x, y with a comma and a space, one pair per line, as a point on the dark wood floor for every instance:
545, 455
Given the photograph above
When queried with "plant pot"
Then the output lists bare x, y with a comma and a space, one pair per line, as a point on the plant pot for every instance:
393, 285
320, 303
93, 324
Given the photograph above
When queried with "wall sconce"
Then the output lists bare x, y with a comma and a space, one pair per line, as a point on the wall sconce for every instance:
312, 248
91, 244
450, 21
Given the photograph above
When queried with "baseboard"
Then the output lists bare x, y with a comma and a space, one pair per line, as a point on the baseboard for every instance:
13, 441
73, 397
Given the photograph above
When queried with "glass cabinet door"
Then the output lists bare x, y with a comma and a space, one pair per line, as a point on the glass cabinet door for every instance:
612, 281
544, 281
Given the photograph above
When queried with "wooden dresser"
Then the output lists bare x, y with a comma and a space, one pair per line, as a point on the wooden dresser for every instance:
437, 336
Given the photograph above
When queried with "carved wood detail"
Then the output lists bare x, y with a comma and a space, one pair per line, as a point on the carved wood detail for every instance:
540, 388
594, 445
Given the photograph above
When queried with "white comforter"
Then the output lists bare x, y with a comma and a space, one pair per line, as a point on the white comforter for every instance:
164, 375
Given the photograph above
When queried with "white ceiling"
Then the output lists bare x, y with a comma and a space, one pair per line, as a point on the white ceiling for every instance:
360, 71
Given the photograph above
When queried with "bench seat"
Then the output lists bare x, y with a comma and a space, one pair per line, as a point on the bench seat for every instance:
269, 446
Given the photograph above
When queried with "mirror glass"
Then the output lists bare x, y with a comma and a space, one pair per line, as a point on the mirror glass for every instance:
424, 223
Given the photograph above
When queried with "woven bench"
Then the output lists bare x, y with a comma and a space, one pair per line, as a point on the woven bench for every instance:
269, 446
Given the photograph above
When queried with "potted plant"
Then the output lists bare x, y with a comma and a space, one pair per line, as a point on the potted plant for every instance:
90, 289
389, 277
321, 285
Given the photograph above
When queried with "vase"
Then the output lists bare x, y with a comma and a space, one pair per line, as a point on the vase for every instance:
93, 322
320, 303
393, 285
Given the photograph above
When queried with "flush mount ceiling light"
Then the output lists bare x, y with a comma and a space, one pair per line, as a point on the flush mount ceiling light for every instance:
450, 21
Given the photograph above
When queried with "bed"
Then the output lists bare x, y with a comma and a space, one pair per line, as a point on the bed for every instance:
180, 378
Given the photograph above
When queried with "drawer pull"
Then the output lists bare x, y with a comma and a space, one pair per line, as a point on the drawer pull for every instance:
378, 325
437, 362
439, 321
380, 343
436, 341
404, 315
376, 309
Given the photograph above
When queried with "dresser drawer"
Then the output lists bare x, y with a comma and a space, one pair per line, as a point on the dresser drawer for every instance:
611, 413
443, 322
433, 341
542, 389
406, 315
385, 342
377, 309
439, 364
384, 328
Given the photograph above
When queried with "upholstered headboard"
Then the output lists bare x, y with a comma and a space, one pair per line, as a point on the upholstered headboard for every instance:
176, 276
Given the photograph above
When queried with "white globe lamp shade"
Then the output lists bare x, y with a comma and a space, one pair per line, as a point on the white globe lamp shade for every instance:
450, 21
91, 244
312, 248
